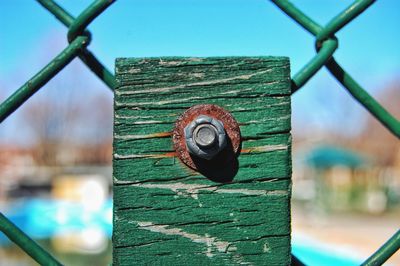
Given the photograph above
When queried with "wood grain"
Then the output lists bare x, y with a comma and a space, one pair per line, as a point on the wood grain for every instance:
165, 213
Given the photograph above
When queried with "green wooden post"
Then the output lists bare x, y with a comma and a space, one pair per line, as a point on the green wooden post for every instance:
166, 213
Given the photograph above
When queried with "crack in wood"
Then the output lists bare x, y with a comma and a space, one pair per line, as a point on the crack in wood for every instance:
264, 148
192, 220
202, 83
212, 243
193, 190
144, 136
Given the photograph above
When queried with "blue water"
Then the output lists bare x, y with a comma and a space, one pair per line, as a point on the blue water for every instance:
45, 218
42, 219
314, 255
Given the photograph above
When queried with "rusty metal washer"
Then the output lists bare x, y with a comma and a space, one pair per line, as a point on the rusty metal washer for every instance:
230, 125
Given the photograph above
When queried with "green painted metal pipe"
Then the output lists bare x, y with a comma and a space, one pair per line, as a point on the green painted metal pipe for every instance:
86, 56
61, 14
344, 17
86, 17
300, 78
297, 15
98, 68
385, 252
334, 24
318, 61
369, 102
41, 78
26, 243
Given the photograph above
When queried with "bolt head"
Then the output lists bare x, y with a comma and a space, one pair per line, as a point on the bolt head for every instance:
205, 137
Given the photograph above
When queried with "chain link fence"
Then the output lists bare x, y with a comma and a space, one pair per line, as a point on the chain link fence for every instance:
79, 39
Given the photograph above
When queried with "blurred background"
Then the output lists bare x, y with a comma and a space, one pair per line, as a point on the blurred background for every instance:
56, 150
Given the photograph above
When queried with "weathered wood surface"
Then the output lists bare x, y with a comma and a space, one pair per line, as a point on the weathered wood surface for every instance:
165, 213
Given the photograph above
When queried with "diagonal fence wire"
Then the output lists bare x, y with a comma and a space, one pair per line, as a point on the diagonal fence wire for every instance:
31, 248
326, 44
79, 38
385, 252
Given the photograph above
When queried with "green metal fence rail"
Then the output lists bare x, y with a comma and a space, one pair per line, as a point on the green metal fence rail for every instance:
79, 38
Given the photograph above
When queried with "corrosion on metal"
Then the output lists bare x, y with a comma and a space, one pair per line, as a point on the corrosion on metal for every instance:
205, 137
230, 125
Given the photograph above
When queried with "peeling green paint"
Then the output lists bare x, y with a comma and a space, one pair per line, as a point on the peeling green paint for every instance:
165, 213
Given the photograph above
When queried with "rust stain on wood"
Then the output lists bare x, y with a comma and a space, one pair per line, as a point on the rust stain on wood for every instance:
164, 212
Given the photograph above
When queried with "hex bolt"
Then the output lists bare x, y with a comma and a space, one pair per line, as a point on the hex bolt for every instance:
205, 137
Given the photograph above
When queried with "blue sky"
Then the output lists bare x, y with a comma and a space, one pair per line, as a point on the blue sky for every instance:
368, 47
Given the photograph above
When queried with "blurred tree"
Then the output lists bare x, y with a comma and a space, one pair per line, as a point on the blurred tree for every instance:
63, 126
376, 139
71, 113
